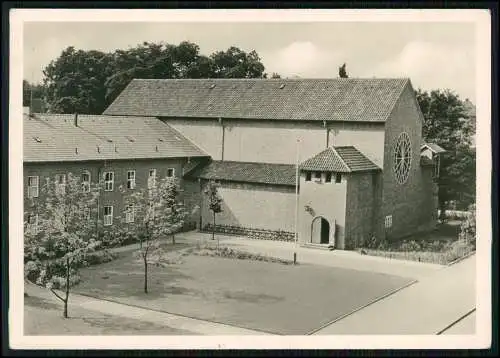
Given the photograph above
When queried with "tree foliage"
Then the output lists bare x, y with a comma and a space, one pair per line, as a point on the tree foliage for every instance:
156, 214
88, 81
343, 71
58, 245
447, 123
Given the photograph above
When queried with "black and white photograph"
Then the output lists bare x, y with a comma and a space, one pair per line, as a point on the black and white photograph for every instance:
249, 179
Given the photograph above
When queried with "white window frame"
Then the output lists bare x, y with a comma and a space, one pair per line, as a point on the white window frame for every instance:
152, 178
33, 227
109, 183
86, 183
33, 189
388, 222
108, 218
130, 180
129, 214
173, 172
61, 187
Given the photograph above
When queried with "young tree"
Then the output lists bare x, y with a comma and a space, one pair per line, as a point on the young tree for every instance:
214, 202
178, 213
59, 233
149, 216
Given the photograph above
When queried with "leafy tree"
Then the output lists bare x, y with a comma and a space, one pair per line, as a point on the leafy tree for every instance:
275, 75
235, 63
75, 81
214, 203
447, 124
32, 92
58, 241
342, 71
153, 214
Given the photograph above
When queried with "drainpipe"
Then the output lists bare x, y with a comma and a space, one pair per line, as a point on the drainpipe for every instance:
223, 134
201, 204
327, 134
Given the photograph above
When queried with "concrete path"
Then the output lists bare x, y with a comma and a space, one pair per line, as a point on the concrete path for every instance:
427, 307
196, 326
337, 258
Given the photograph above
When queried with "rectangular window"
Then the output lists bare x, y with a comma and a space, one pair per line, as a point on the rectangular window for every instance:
388, 221
61, 183
338, 178
33, 187
328, 178
129, 214
33, 223
108, 215
109, 178
317, 177
86, 182
152, 178
170, 172
131, 179
308, 176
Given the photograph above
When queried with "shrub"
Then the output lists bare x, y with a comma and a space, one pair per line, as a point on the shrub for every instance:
411, 245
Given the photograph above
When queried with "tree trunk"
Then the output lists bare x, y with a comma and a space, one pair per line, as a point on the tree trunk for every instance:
442, 211
173, 239
67, 289
145, 275
213, 228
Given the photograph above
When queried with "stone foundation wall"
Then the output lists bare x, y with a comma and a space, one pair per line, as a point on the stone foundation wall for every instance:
259, 234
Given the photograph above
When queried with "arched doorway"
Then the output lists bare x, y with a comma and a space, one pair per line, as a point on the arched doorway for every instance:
320, 231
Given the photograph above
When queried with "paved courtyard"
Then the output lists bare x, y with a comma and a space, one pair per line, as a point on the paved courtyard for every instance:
261, 296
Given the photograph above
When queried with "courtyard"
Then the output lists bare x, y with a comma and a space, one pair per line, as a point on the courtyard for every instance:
268, 297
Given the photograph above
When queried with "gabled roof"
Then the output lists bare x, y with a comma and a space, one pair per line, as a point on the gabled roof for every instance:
52, 137
433, 147
337, 99
247, 172
341, 159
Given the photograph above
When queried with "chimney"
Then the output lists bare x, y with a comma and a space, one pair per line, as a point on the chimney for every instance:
76, 119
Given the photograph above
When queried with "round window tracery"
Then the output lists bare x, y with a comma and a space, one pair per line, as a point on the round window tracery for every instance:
402, 158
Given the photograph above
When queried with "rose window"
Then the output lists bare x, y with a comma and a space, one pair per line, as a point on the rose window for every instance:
402, 158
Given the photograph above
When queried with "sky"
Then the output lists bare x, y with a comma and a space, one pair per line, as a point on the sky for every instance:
434, 55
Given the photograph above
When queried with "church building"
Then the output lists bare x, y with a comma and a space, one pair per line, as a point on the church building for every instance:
356, 145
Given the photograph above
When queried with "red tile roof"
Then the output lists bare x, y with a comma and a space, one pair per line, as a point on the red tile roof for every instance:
52, 137
341, 159
246, 172
338, 99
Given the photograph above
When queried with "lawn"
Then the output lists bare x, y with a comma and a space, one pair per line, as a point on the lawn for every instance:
42, 317
275, 298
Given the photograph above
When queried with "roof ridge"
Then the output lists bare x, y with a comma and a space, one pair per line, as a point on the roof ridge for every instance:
341, 159
278, 79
